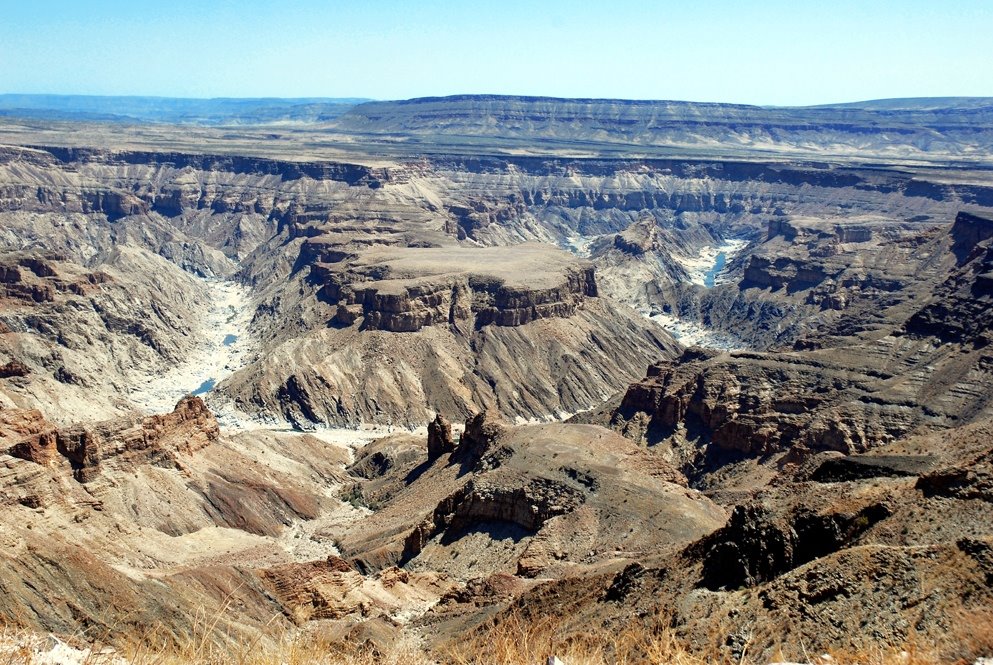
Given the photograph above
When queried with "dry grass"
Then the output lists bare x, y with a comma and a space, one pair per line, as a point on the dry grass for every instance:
289, 653
513, 640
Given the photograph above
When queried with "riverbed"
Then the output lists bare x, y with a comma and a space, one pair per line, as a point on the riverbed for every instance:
691, 333
707, 267
223, 348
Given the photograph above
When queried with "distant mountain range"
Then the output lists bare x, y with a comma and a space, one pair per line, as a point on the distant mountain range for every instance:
947, 128
175, 110
262, 110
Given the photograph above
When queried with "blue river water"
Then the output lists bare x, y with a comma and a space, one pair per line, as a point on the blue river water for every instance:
711, 276
205, 387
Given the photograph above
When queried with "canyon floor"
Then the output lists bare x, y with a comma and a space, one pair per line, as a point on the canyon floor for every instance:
389, 388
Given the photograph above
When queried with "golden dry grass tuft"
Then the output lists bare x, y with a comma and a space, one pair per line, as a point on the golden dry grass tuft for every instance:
511, 640
515, 640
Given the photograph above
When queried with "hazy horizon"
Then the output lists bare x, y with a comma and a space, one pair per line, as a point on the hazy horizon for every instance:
361, 100
770, 54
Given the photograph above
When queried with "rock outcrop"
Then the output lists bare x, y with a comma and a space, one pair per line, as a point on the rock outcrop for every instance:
417, 288
967, 232
332, 589
440, 440
754, 405
849, 398
156, 439
969, 479
961, 308
758, 545
845, 560
529, 501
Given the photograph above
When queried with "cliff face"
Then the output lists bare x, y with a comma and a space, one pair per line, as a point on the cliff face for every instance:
758, 405
85, 450
967, 232
349, 254
812, 280
466, 302
961, 310
80, 340
930, 372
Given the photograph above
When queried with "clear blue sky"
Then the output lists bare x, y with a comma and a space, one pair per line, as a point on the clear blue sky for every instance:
768, 52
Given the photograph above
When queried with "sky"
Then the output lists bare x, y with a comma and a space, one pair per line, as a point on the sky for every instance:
754, 52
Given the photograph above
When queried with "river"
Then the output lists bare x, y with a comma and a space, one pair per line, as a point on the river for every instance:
706, 269
222, 349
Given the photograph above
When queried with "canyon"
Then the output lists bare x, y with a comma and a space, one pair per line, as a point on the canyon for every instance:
395, 370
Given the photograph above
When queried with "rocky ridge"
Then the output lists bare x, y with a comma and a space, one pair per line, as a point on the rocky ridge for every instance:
468, 120
843, 397
531, 501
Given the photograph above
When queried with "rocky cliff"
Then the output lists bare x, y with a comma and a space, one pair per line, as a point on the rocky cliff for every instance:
930, 371
530, 501
86, 447
960, 310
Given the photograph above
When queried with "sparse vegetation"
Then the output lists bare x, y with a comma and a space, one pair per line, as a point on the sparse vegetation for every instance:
353, 496
513, 640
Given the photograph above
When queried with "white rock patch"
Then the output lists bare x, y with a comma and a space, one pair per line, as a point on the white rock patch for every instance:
50, 650
690, 333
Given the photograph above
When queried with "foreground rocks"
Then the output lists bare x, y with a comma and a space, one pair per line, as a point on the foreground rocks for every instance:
531, 501
146, 518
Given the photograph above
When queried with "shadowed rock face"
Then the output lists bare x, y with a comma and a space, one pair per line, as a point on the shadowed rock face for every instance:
439, 437
928, 372
970, 478
528, 501
856, 467
961, 309
758, 545
967, 232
